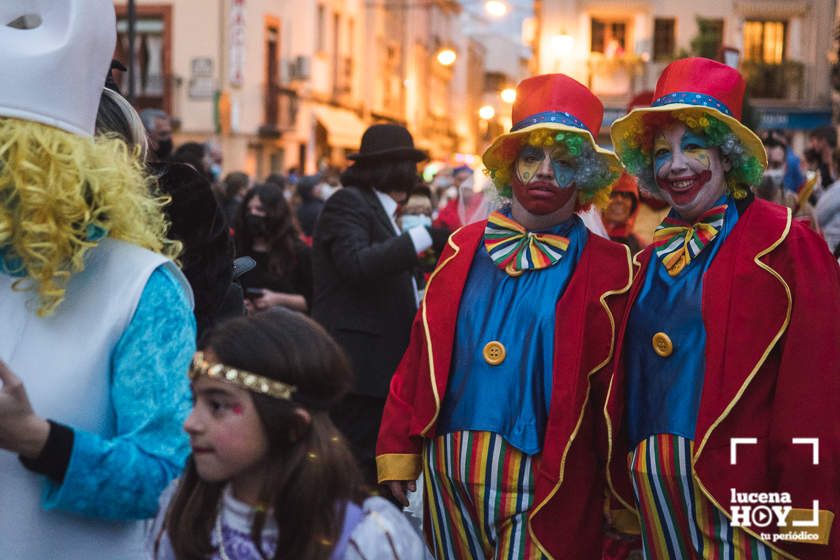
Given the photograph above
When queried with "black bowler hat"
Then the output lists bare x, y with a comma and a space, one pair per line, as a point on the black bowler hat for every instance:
388, 140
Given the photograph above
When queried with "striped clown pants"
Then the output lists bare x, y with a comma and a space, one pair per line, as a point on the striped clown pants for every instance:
678, 521
479, 492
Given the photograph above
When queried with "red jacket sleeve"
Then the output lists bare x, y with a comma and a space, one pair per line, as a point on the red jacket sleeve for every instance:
807, 396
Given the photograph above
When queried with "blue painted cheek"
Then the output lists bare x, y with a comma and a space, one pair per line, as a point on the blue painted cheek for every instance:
564, 173
660, 161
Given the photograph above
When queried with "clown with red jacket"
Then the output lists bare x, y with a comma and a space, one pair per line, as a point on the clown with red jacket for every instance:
499, 398
725, 399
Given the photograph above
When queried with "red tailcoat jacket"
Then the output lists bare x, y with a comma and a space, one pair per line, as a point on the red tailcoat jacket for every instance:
771, 310
567, 519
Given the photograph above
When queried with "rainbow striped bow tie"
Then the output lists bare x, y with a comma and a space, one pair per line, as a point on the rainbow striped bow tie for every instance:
676, 241
514, 249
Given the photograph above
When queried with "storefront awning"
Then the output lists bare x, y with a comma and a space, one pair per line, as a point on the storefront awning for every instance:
344, 127
794, 119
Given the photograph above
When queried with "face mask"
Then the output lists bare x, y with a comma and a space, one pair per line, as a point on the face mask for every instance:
257, 225
775, 175
215, 171
164, 149
409, 221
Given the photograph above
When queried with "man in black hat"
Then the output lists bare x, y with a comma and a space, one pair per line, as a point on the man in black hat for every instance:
365, 295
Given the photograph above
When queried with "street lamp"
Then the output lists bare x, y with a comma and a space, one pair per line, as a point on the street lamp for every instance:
446, 56
563, 45
496, 8
508, 95
487, 112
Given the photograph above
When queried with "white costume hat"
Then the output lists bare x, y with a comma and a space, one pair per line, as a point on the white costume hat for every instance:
54, 55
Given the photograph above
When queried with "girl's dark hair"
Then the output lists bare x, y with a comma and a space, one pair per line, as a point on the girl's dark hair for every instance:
283, 231
312, 473
384, 175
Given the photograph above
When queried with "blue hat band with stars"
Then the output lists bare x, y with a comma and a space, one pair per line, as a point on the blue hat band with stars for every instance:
554, 117
692, 98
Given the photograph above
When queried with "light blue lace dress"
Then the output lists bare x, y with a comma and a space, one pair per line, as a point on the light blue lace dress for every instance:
122, 477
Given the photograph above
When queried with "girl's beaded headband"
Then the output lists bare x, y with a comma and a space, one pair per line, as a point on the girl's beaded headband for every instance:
244, 379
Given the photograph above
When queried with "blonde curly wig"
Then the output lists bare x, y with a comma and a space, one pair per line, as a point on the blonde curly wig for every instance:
59, 194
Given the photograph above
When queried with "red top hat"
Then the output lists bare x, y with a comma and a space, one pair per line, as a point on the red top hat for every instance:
556, 98
700, 81
549, 101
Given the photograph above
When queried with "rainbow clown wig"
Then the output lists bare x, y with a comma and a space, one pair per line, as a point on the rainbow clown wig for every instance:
555, 110
60, 193
705, 96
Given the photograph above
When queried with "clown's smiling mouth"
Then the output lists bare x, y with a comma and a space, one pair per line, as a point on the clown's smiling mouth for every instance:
685, 188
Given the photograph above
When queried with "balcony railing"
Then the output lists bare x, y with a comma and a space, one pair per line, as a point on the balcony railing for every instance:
281, 107
774, 81
614, 76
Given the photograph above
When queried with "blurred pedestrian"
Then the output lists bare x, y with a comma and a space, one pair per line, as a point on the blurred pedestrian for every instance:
823, 141
195, 155
771, 186
266, 230
619, 217
793, 179
216, 158
827, 213
159, 128
417, 211
269, 475
310, 204
96, 326
234, 187
365, 295
449, 217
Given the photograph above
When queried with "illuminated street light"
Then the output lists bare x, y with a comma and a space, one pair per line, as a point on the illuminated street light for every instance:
446, 56
487, 112
508, 95
563, 45
496, 8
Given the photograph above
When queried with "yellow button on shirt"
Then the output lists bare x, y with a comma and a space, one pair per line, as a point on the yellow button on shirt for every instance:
494, 353
662, 344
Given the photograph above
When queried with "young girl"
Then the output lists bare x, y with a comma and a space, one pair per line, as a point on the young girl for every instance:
269, 477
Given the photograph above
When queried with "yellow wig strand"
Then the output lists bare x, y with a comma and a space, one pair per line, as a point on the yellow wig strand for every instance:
59, 194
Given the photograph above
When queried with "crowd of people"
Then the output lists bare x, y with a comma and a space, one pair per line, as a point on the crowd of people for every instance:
549, 356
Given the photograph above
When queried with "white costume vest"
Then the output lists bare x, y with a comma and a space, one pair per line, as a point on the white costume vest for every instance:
64, 361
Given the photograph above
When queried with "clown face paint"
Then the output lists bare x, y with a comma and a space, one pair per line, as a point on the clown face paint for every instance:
544, 179
689, 172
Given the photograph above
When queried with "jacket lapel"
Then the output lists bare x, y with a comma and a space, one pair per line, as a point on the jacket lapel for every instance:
746, 307
584, 345
381, 216
439, 310
615, 395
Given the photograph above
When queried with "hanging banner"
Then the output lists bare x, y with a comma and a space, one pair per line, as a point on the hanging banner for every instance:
236, 52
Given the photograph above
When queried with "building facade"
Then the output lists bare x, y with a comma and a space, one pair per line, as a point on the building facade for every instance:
619, 48
280, 84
